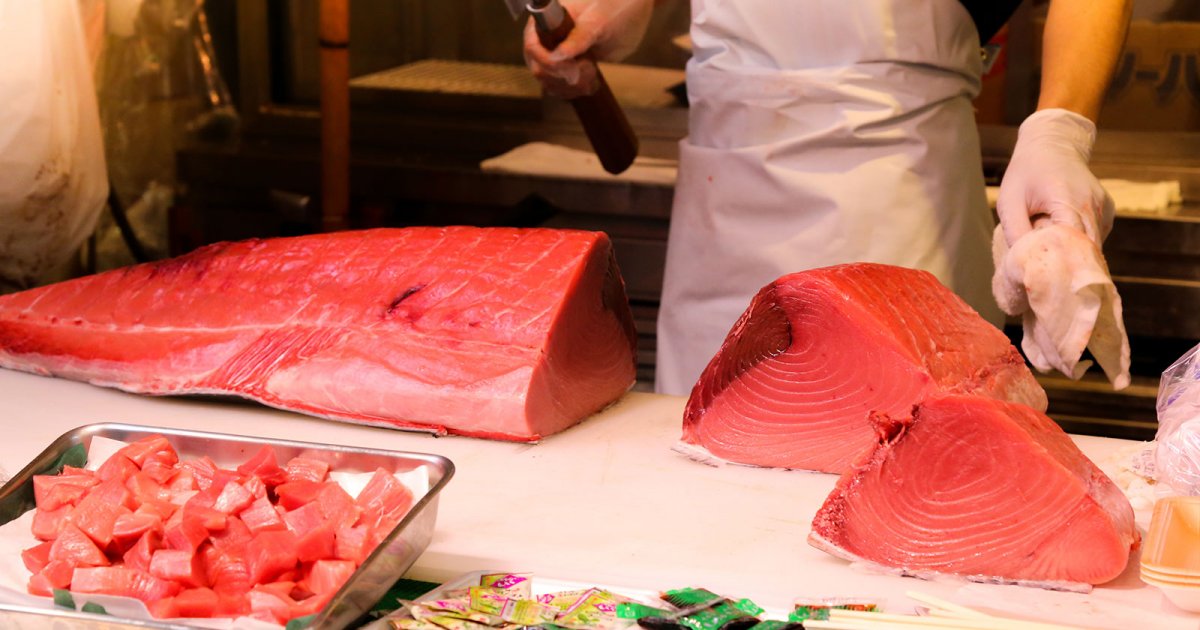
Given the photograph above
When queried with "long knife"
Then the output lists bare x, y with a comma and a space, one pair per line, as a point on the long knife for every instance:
603, 120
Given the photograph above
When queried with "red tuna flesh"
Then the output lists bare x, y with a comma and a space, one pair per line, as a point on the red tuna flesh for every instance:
816, 352
981, 488
495, 332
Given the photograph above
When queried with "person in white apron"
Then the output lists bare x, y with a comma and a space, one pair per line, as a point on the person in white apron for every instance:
820, 132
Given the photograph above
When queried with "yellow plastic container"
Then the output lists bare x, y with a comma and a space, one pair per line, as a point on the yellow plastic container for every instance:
1171, 551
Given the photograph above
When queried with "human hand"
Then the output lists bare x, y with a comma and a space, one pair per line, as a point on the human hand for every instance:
1048, 179
607, 29
1055, 278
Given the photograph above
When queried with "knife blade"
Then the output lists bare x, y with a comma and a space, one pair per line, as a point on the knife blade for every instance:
516, 8
603, 120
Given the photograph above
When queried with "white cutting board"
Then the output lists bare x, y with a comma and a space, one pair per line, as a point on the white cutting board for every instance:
606, 502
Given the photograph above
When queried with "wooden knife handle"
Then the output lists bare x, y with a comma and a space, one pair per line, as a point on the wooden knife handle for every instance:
602, 118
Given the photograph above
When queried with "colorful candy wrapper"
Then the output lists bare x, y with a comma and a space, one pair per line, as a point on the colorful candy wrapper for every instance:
488, 599
518, 585
819, 608
455, 623
413, 624
425, 613
596, 609
527, 612
562, 600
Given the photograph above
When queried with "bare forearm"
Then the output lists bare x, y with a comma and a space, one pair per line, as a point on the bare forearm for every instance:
1082, 42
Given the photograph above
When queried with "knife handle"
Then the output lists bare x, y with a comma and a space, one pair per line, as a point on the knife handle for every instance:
602, 118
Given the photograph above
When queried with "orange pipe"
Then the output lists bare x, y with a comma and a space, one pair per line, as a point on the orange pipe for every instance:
334, 38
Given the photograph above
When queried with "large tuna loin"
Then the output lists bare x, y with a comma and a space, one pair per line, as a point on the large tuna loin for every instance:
501, 333
816, 352
980, 488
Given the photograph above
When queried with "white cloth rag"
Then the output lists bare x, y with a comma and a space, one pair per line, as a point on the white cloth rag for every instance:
1056, 279
552, 160
1130, 196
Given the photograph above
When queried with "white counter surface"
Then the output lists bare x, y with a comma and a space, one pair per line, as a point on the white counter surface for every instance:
606, 502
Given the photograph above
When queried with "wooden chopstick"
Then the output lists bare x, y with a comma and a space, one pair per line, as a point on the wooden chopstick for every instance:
941, 605
862, 620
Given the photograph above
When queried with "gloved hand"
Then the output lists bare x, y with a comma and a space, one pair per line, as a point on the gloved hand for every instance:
607, 29
1056, 279
1048, 178
1050, 270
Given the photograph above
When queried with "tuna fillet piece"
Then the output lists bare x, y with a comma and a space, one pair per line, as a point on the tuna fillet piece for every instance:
816, 352
494, 332
980, 488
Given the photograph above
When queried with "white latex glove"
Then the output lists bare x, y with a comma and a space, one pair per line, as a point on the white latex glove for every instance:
1056, 279
605, 30
1048, 178
1050, 270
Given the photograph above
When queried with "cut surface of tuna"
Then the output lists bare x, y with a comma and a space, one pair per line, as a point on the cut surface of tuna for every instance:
817, 352
494, 332
981, 488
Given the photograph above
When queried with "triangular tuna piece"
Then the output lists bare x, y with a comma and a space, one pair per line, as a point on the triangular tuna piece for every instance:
495, 332
816, 352
979, 488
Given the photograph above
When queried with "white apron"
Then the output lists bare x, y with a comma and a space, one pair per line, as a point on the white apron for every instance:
821, 132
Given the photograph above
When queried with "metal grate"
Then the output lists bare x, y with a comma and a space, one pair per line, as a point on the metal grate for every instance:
455, 77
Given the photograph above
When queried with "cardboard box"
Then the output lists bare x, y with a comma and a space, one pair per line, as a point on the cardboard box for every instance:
1156, 85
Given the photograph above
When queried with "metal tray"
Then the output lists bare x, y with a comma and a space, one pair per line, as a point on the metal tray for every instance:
394, 555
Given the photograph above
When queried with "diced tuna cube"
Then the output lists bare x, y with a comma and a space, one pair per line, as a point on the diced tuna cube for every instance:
294, 494
350, 543
327, 576
154, 447
384, 498
117, 466
55, 575
139, 555
75, 547
46, 523
234, 498
227, 573
303, 519
265, 466
185, 567
97, 513
158, 470
269, 606
196, 602
261, 516
317, 543
129, 528
306, 469
338, 506
270, 554
187, 534
51, 492
36, 557
234, 537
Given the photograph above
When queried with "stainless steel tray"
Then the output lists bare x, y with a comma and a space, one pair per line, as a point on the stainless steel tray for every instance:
358, 595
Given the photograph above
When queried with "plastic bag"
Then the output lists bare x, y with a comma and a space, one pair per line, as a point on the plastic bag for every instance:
52, 172
159, 89
1177, 450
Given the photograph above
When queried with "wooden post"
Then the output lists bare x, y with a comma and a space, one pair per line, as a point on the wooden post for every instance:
334, 38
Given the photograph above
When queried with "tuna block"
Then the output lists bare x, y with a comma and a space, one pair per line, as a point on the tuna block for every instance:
980, 488
502, 333
817, 352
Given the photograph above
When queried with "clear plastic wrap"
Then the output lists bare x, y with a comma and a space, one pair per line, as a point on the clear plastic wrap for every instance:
159, 89
1177, 453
